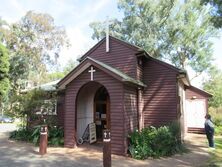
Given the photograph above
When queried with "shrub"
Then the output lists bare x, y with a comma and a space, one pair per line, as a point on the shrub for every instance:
218, 130
216, 114
155, 142
139, 147
55, 135
22, 134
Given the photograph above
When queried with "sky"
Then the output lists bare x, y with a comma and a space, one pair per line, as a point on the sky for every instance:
75, 16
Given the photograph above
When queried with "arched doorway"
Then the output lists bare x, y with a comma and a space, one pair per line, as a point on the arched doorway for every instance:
101, 111
92, 106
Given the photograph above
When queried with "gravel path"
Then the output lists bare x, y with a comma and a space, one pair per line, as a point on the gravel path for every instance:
18, 154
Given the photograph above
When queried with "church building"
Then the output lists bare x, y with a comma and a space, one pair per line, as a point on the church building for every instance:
119, 86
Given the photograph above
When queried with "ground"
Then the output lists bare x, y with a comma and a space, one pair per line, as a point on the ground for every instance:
26, 155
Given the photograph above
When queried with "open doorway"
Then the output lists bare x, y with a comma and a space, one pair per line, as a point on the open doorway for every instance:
101, 111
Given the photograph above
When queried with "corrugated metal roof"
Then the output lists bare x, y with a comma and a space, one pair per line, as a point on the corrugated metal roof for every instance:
50, 86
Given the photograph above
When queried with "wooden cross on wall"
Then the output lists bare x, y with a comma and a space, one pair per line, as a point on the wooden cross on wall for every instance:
92, 70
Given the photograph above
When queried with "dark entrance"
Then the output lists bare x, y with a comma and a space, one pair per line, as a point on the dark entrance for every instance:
101, 111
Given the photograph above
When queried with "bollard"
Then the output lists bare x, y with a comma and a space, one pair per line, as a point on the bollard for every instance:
106, 148
43, 140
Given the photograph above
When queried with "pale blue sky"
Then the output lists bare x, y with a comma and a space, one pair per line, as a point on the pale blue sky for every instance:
75, 16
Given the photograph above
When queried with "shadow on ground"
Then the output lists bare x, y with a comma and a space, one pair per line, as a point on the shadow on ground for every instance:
26, 155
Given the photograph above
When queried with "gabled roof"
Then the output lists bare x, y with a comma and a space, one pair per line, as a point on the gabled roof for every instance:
134, 47
140, 51
50, 86
207, 94
87, 62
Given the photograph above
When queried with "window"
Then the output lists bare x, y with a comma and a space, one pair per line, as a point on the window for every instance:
49, 107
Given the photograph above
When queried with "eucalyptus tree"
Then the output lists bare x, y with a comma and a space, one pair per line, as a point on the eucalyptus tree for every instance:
4, 69
170, 30
34, 43
216, 11
213, 85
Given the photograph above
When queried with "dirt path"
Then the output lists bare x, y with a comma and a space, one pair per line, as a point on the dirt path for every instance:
26, 155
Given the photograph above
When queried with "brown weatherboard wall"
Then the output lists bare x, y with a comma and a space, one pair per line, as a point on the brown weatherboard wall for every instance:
160, 95
131, 111
190, 92
61, 108
115, 90
120, 56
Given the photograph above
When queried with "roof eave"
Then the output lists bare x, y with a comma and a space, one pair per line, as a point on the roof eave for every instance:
113, 72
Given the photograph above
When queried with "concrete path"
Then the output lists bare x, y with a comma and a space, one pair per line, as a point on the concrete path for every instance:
18, 154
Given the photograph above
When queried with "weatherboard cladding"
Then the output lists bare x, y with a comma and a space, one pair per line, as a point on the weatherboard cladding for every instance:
159, 99
61, 108
160, 95
115, 90
121, 56
191, 91
130, 108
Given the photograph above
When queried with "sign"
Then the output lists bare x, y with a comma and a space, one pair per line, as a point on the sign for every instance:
106, 135
92, 133
43, 140
43, 130
106, 148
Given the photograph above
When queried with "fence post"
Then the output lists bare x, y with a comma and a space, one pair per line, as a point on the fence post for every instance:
43, 140
106, 148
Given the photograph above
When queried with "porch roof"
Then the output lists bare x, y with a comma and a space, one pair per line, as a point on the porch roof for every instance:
87, 62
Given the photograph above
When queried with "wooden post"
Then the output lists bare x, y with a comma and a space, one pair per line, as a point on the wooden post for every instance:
43, 140
106, 148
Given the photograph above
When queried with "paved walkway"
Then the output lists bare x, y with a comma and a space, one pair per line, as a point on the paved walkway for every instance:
18, 154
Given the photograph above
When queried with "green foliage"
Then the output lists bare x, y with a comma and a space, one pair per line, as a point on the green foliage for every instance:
28, 104
214, 86
71, 64
55, 135
36, 134
155, 142
218, 130
34, 44
22, 134
4, 69
216, 11
168, 29
216, 114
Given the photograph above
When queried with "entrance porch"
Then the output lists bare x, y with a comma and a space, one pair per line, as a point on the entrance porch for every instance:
92, 107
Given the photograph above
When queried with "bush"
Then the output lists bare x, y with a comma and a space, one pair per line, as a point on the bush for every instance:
22, 134
155, 142
55, 135
218, 130
216, 114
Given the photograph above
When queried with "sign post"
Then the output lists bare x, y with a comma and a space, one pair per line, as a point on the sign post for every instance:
43, 140
106, 148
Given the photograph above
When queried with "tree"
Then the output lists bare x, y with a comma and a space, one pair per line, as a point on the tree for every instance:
34, 44
59, 74
4, 68
214, 86
216, 11
2, 24
168, 29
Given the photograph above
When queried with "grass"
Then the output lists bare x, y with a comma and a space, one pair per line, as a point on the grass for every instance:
216, 155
